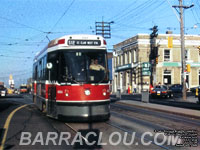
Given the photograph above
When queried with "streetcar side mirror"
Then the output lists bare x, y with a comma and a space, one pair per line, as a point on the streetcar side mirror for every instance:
49, 65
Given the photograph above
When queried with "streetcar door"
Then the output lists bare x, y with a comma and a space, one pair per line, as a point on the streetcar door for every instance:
52, 100
52, 70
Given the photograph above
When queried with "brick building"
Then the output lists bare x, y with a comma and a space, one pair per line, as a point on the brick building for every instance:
132, 64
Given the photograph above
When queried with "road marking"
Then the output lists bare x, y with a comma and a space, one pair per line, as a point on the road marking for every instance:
6, 125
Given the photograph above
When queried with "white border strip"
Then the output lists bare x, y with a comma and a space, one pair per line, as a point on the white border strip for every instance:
78, 101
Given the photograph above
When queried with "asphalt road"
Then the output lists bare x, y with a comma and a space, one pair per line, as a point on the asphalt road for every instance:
129, 127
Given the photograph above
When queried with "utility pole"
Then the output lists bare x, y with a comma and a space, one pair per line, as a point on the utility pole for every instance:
103, 29
183, 75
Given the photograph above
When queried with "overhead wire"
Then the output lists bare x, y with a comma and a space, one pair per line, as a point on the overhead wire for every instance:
122, 11
195, 11
147, 16
134, 12
137, 20
27, 26
66, 10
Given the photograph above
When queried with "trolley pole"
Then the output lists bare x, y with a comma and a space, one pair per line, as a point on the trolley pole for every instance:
183, 75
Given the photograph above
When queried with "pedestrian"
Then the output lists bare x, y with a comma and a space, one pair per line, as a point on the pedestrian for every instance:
129, 89
134, 88
150, 88
199, 94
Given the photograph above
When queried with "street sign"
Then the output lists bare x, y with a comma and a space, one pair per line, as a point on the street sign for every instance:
146, 69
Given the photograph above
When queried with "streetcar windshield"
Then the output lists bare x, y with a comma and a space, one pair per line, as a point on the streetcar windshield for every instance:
23, 87
83, 66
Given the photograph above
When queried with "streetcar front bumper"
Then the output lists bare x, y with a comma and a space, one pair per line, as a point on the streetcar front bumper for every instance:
86, 111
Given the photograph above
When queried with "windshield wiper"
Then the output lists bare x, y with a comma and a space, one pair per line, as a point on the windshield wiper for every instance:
69, 78
105, 73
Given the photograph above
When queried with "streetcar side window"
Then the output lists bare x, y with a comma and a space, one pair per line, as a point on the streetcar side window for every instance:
44, 67
35, 74
40, 69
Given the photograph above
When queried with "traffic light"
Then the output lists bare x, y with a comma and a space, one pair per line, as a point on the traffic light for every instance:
156, 60
154, 32
199, 49
188, 68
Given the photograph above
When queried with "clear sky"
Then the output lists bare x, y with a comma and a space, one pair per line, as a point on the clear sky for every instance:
24, 25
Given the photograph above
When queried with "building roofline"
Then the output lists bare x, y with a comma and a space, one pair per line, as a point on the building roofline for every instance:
169, 34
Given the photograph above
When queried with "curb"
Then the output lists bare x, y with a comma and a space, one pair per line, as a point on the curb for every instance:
168, 109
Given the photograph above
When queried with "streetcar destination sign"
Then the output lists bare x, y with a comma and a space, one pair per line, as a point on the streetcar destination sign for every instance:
84, 42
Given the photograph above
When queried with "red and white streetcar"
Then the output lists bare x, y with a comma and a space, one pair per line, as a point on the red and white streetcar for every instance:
70, 78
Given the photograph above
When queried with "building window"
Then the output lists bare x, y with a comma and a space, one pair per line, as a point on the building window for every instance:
134, 57
121, 63
118, 60
166, 55
125, 58
167, 77
115, 62
130, 57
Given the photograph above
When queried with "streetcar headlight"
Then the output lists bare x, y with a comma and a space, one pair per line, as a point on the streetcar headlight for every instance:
66, 94
87, 92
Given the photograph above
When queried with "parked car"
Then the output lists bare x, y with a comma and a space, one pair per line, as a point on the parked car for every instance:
3, 91
161, 91
193, 89
176, 88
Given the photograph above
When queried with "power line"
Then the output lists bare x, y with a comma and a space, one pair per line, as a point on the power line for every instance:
21, 24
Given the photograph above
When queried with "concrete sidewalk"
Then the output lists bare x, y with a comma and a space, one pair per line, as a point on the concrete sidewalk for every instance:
170, 109
177, 105
177, 97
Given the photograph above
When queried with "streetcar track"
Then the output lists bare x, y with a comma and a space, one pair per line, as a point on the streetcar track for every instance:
75, 131
129, 131
160, 114
141, 122
137, 136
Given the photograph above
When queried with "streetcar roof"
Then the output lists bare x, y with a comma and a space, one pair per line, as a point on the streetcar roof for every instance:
82, 41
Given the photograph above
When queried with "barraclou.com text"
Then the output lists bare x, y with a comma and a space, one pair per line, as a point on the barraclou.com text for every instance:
115, 138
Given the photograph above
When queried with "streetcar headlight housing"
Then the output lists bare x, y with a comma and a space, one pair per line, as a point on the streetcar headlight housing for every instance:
104, 92
87, 92
66, 92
